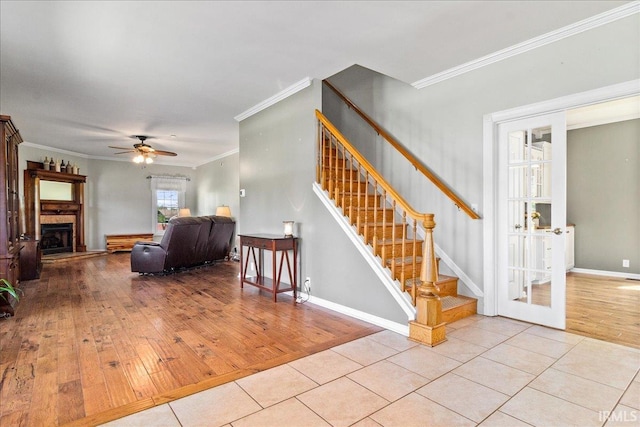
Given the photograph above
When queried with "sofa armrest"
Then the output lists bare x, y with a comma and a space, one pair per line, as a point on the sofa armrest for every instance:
148, 257
147, 242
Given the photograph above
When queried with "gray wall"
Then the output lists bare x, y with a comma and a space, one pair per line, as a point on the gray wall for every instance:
119, 197
443, 124
277, 169
603, 195
217, 183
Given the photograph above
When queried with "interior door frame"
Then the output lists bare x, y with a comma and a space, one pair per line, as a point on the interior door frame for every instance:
491, 163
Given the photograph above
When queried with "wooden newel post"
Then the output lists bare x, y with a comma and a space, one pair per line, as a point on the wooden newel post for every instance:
428, 327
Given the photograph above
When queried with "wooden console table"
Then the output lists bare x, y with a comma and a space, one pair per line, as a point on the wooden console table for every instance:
274, 243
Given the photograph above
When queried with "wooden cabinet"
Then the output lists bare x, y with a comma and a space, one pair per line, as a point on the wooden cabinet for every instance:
30, 259
9, 202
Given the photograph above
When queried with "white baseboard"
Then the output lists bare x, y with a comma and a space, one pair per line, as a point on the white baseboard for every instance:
399, 328
606, 273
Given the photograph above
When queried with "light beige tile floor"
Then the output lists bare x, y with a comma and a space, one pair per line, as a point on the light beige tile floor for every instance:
490, 372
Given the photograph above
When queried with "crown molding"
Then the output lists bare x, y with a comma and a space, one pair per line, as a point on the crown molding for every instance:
543, 40
294, 88
218, 157
111, 159
56, 150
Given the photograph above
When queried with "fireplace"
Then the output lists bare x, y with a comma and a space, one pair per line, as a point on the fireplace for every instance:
62, 209
56, 238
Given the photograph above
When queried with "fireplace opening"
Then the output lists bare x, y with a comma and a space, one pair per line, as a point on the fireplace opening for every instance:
56, 238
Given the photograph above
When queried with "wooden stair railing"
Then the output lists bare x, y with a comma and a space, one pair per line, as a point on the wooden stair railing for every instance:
407, 155
386, 222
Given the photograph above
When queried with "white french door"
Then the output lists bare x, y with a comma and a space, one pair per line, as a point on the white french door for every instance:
532, 219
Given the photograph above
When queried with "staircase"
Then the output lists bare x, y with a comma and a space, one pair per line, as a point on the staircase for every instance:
397, 234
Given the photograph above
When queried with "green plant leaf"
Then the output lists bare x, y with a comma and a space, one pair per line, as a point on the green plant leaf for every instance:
7, 287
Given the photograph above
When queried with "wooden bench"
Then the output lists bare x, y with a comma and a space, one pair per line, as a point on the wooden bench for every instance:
125, 242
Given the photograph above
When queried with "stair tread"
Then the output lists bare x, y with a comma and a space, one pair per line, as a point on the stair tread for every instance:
441, 279
405, 260
398, 240
452, 302
371, 208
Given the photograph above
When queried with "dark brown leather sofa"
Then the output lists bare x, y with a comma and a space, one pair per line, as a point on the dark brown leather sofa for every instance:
187, 242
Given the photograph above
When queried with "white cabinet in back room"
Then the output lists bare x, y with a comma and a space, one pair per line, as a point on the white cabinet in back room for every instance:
569, 257
542, 256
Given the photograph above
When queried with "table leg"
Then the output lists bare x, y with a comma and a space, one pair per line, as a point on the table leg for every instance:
295, 271
243, 267
276, 279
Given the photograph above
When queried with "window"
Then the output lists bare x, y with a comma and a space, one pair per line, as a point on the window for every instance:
168, 197
167, 206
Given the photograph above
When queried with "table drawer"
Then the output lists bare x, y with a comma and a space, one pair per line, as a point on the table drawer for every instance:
256, 242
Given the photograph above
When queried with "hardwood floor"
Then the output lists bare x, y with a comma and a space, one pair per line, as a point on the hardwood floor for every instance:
92, 341
605, 308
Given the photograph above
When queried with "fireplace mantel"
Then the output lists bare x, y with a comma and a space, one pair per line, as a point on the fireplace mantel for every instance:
40, 211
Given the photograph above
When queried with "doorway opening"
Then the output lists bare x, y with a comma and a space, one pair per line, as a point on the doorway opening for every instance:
575, 106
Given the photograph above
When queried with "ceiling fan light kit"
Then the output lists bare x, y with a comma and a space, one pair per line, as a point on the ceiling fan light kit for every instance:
143, 158
144, 153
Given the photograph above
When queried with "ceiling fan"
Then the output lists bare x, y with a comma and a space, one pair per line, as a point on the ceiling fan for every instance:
145, 153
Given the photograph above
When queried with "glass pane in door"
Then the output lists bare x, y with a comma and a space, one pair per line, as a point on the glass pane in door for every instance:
529, 244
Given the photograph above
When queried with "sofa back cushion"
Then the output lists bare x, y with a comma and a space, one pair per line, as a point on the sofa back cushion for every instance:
183, 241
220, 237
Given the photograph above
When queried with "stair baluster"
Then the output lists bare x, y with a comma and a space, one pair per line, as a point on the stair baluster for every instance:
389, 225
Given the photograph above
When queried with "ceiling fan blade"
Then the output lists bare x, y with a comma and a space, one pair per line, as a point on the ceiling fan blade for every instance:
125, 152
121, 148
164, 153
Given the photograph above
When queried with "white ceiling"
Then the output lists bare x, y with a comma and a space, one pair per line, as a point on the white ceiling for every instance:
603, 113
82, 75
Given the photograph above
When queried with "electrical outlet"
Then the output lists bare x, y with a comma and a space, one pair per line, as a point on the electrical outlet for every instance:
625, 263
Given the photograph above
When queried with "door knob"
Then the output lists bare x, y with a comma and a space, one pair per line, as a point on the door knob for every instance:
555, 231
